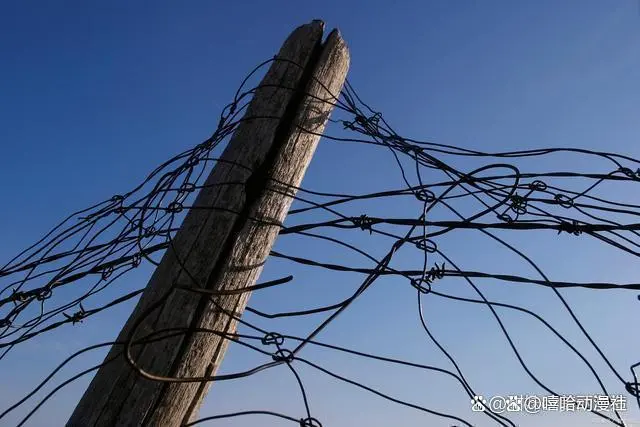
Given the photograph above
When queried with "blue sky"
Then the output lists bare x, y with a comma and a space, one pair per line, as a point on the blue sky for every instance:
96, 95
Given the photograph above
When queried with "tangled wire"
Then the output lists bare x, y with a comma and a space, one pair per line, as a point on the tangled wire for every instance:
92, 249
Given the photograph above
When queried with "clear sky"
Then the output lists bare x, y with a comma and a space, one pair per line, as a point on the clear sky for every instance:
94, 95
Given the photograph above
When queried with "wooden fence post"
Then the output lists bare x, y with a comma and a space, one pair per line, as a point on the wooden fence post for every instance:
221, 249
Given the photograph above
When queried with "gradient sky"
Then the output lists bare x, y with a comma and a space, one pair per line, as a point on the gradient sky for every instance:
94, 95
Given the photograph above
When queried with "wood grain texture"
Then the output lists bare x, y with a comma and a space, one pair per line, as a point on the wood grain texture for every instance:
222, 250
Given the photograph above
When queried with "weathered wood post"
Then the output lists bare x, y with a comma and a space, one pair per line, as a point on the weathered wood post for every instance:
222, 250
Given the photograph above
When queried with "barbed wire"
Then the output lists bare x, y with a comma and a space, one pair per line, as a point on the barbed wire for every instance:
91, 249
